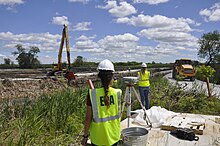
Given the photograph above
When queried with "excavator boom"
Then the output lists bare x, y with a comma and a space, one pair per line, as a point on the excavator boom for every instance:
64, 38
67, 45
69, 75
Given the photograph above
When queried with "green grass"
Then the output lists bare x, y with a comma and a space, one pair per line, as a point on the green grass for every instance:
57, 118
174, 98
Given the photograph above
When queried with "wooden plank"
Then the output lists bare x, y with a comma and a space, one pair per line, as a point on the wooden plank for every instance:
201, 127
196, 124
158, 137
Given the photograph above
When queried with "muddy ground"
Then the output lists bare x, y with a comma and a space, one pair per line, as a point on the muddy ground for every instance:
19, 83
16, 83
27, 88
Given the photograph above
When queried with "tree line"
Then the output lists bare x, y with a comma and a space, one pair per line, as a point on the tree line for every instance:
209, 49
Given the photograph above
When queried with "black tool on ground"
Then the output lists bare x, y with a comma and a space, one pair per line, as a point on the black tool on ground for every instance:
185, 134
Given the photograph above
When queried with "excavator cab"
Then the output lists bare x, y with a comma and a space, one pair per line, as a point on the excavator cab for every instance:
58, 69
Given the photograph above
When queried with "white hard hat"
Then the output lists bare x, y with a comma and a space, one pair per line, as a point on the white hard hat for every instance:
143, 65
106, 65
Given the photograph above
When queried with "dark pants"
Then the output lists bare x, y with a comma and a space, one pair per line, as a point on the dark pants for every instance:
115, 144
144, 91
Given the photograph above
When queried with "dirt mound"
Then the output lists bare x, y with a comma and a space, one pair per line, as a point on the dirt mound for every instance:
28, 88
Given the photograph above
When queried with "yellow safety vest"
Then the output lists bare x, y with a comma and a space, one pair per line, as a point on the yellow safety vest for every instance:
144, 79
105, 126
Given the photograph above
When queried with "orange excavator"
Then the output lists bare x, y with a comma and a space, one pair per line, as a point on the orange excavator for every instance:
58, 68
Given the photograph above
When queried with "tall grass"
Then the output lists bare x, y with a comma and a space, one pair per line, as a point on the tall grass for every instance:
57, 118
54, 119
175, 98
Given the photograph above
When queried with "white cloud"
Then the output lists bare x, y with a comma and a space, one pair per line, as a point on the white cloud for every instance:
171, 34
2, 56
121, 10
82, 26
211, 14
81, 1
11, 2
158, 21
45, 41
171, 37
86, 44
125, 42
150, 2
125, 47
163, 29
120, 46
51, 59
60, 20
109, 5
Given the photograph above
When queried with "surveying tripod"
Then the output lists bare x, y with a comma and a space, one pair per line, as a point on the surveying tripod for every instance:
127, 99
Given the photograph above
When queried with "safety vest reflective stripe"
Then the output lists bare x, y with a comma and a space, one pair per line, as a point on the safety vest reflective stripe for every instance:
144, 80
95, 108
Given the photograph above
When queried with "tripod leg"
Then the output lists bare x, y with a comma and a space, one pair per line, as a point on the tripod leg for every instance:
124, 101
129, 105
137, 97
145, 114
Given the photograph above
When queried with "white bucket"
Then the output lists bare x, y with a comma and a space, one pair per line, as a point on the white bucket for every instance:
134, 136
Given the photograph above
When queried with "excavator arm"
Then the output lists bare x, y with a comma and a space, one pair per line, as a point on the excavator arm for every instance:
67, 45
68, 74
64, 38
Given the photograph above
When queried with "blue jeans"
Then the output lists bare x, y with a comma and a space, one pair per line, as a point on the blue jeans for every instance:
144, 91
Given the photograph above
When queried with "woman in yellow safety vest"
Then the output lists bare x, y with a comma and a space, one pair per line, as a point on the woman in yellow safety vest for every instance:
102, 121
144, 85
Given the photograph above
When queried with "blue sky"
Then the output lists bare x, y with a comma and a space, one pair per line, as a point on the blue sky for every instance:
119, 30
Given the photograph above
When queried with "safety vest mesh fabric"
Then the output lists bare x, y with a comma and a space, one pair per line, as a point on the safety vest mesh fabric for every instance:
105, 126
144, 79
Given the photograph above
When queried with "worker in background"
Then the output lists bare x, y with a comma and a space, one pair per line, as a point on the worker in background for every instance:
144, 85
115, 82
129, 71
102, 121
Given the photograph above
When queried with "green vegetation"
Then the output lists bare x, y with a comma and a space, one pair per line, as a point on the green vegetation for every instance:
204, 71
27, 59
54, 119
209, 47
174, 98
8, 64
8, 61
57, 118
79, 61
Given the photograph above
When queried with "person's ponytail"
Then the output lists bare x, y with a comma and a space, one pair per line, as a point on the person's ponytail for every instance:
106, 78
